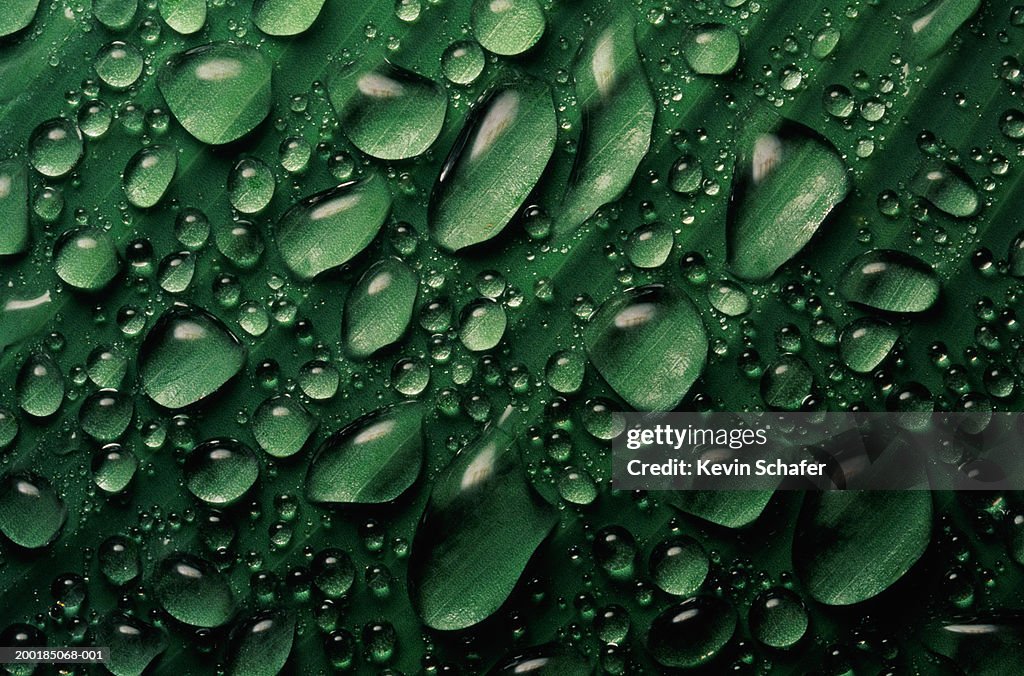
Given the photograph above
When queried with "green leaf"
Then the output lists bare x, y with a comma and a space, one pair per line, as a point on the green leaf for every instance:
650, 345
784, 186
479, 530
374, 459
852, 546
494, 165
379, 307
618, 117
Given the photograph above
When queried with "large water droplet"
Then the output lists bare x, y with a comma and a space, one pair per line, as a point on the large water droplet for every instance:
482, 325
328, 229
463, 62
220, 471
285, 17
866, 342
787, 383
251, 185
149, 174
379, 307
184, 16
692, 633
778, 618
115, 14
890, 280
192, 591
119, 65
13, 207
374, 459
947, 188
784, 186
40, 386
260, 645
388, 113
543, 660
55, 148
106, 414
86, 259
650, 345
218, 92
493, 166
679, 565
507, 27
187, 356
133, 644
31, 511
282, 426
712, 49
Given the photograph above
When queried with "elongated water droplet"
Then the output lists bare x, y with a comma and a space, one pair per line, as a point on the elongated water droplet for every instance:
184, 16
379, 307
251, 186
218, 92
374, 459
866, 342
1016, 256
493, 166
328, 229
890, 280
13, 207
388, 113
712, 49
55, 148
261, 644
187, 356
465, 527
550, 658
947, 188
148, 175
507, 27
618, 112
650, 345
16, 15
482, 325
31, 511
285, 17
23, 314
784, 186
192, 591
40, 386
692, 633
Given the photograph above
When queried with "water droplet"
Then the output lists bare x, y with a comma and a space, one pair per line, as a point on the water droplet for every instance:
947, 188
16, 15
220, 471
184, 16
14, 215
113, 468
119, 560
712, 49
729, 298
679, 565
929, 28
106, 414
119, 65
866, 342
686, 175
285, 17
148, 175
890, 280
379, 307
261, 644
649, 245
115, 14
193, 592
31, 511
251, 186
133, 644
462, 62
507, 27
778, 618
55, 148
282, 426
787, 383
482, 325
692, 633
40, 386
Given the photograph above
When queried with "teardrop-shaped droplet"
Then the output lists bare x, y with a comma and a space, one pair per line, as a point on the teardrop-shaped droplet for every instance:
133, 644
379, 307
55, 148
543, 660
374, 459
261, 644
650, 345
507, 27
465, 528
187, 356
649, 245
947, 188
866, 342
86, 259
778, 618
31, 511
931, 27
218, 92
16, 15
282, 426
220, 471
13, 207
251, 185
113, 468
328, 229
853, 545
115, 14
40, 386
482, 325
184, 16
712, 49
285, 17
494, 165
787, 383
679, 565
193, 592
388, 113
106, 414
618, 112
890, 280
149, 174
692, 633
784, 186
176, 272
986, 642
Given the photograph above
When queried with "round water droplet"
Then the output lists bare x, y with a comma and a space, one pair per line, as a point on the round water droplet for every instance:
615, 552
55, 148
31, 511
240, 242
282, 426
649, 245
119, 559
787, 383
866, 342
176, 272
187, 356
333, 572
778, 618
119, 65
1011, 124
712, 49
319, 380
577, 486
482, 325
692, 633
115, 14
507, 27
40, 386
148, 175
251, 186
463, 62
564, 371
410, 376
890, 280
729, 298
192, 591
838, 101
86, 259
220, 471
686, 175
285, 17
106, 414
113, 468
679, 565
184, 16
